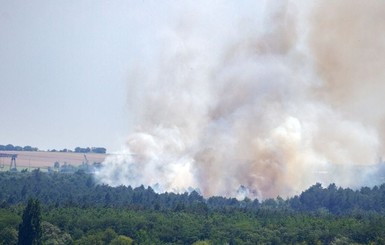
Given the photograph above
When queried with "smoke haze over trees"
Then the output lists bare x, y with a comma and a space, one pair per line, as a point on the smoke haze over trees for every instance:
270, 95
80, 189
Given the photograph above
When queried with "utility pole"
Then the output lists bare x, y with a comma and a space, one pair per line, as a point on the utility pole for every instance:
13, 163
13, 157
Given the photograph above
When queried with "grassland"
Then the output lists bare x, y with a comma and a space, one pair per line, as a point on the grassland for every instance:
43, 160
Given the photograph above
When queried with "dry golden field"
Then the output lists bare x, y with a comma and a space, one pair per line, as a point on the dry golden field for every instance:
41, 159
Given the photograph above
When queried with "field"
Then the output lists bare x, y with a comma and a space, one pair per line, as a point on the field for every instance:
43, 160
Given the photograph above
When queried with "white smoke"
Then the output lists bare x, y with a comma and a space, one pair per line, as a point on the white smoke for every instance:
236, 94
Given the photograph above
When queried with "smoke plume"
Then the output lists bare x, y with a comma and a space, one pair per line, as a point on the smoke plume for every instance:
269, 96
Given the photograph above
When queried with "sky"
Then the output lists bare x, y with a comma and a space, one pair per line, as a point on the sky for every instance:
64, 72
67, 68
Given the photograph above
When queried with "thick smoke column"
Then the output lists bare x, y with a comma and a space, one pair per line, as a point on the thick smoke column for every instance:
269, 95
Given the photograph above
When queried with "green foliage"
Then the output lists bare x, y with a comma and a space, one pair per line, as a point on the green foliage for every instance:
201, 243
9, 219
79, 188
30, 231
90, 240
122, 240
100, 150
109, 236
52, 235
109, 225
77, 211
8, 236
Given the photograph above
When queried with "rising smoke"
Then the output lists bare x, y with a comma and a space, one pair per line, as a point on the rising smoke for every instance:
270, 95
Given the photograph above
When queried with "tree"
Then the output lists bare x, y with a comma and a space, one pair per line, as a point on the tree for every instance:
122, 240
56, 165
82, 150
101, 150
27, 148
8, 236
53, 235
9, 147
18, 148
201, 243
30, 231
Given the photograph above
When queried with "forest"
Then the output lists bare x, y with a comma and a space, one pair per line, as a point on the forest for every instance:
77, 210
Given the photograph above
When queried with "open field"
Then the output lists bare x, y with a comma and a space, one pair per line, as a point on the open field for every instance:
41, 159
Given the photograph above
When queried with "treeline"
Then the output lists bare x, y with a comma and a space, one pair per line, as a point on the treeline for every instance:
101, 150
92, 149
11, 147
76, 210
80, 189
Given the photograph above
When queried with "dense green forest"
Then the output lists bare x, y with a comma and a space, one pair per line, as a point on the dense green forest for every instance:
76, 210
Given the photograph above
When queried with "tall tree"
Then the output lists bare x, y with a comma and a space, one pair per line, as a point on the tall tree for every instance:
30, 231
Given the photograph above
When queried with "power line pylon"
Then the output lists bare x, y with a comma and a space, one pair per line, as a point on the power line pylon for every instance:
12, 166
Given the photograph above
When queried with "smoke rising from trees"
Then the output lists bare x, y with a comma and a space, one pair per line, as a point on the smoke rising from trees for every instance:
270, 95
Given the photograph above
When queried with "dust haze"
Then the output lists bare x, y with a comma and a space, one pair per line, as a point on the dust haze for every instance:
269, 95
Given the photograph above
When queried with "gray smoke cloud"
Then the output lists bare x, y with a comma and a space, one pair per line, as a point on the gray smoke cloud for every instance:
269, 95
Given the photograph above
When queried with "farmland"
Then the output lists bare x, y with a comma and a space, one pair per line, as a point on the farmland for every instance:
43, 159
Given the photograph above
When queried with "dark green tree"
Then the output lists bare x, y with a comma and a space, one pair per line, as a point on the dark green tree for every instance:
101, 150
9, 147
27, 148
30, 231
18, 148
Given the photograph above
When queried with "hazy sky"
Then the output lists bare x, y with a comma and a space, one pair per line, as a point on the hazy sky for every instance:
64, 71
